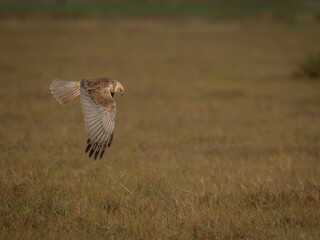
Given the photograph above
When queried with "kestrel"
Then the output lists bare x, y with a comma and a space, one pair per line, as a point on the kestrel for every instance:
98, 107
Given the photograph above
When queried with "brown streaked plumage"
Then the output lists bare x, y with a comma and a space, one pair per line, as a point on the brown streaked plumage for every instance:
98, 106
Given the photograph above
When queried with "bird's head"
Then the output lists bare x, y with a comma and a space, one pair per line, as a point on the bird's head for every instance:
118, 88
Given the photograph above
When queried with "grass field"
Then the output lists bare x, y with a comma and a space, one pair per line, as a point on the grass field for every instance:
215, 137
164, 7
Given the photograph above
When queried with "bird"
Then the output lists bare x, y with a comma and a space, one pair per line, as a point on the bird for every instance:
98, 107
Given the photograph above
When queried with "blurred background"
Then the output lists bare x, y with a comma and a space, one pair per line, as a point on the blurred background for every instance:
217, 136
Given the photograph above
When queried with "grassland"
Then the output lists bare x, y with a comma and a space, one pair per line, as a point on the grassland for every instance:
161, 8
215, 137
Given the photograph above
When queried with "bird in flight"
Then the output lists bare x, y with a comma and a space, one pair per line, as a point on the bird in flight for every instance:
98, 107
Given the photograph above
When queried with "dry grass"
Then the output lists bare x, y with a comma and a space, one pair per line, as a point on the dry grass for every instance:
214, 139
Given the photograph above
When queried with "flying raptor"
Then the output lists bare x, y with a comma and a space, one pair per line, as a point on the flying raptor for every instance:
98, 106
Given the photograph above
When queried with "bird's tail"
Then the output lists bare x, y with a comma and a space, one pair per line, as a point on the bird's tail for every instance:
64, 91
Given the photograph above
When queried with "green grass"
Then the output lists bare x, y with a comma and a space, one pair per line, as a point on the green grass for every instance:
166, 8
214, 137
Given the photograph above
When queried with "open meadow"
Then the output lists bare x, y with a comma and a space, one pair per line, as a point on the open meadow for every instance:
216, 137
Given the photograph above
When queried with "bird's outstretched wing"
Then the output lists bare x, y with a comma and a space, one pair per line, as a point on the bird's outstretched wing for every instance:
99, 109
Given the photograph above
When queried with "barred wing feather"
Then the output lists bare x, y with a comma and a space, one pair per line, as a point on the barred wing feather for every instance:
100, 122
